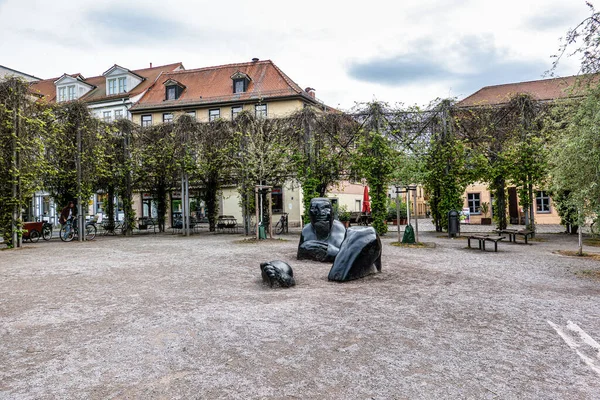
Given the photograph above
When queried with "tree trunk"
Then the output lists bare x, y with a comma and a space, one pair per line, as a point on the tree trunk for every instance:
161, 205
500, 199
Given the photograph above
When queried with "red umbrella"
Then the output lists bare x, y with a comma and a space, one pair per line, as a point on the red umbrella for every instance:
366, 208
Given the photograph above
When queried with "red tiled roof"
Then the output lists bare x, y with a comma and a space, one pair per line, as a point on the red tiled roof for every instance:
47, 89
545, 90
214, 85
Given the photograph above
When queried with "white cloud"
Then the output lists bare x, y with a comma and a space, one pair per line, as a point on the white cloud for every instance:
315, 42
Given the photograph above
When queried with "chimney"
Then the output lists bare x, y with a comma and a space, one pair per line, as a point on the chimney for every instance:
150, 65
310, 91
254, 59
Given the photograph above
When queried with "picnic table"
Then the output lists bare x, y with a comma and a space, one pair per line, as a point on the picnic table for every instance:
512, 234
484, 238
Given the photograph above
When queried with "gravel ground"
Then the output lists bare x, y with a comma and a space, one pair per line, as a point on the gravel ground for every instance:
169, 317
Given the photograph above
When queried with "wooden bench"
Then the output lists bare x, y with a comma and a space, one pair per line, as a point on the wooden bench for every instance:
227, 223
483, 238
512, 234
147, 224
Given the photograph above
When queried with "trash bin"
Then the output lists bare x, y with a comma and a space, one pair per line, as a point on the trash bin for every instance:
262, 234
453, 223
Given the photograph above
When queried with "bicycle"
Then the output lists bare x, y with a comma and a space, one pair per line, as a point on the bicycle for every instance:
69, 230
282, 224
46, 230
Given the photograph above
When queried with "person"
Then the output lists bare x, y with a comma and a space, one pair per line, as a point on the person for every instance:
322, 237
67, 213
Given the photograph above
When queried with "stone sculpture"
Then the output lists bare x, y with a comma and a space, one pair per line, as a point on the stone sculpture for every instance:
322, 237
277, 272
359, 255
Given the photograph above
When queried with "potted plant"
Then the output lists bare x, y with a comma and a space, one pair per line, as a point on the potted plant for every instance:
392, 214
344, 215
485, 208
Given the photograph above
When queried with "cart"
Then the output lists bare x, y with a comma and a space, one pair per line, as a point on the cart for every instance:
32, 231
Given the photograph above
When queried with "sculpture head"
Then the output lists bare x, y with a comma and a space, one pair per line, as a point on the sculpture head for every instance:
321, 215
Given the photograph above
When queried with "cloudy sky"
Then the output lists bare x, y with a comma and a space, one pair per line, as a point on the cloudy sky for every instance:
409, 51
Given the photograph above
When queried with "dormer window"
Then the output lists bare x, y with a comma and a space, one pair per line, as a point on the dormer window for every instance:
240, 82
173, 89
70, 87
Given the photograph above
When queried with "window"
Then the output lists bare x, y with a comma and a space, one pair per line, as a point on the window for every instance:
118, 114
171, 93
167, 118
112, 86
260, 110
214, 114
474, 201
542, 202
107, 116
239, 85
277, 199
62, 94
146, 120
191, 114
71, 90
235, 111
122, 85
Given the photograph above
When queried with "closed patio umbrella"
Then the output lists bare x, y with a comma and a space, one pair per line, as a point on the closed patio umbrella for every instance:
366, 208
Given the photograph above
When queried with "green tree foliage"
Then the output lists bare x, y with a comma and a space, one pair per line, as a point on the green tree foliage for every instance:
212, 167
375, 159
449, 165
324, 150
262, 153
74, 120
156, 156
121, 168
575, 156
23, 124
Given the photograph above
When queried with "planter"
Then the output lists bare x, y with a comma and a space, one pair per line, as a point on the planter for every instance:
403, 221
346, 224
486, 221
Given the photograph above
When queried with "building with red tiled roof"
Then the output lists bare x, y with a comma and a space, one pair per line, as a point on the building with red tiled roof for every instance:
109, 95
542, 90
222, 92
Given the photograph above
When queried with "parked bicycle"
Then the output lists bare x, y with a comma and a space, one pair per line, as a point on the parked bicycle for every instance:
70, 229
282, 224
46, 230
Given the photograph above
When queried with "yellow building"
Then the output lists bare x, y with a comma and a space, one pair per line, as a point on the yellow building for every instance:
544, 90
223, 91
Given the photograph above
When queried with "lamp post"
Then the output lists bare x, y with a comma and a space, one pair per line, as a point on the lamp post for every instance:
398, 191
414, 189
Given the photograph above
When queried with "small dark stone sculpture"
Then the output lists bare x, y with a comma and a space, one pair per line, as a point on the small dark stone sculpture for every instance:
359, 253
277, 272
322, 237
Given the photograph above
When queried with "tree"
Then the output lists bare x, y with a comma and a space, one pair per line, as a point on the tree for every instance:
375, 159
120, 171
22, 127
324, 150
262, 153
212, 168
575, 157
582, 41
155, 156
449, 163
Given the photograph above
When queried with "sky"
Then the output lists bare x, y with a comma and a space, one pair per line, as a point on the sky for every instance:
405, 53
